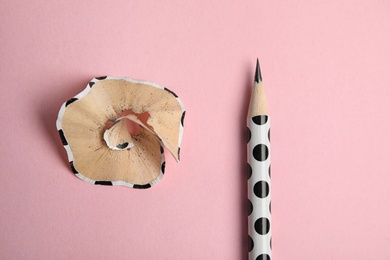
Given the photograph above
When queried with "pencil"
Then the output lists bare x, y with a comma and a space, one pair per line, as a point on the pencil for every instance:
259, 176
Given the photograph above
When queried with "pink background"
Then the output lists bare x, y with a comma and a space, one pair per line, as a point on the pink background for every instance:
325, 65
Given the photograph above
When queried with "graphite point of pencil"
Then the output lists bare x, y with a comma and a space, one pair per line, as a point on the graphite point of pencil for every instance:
258, 77
258, 102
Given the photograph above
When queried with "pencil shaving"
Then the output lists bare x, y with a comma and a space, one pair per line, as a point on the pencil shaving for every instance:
94, 129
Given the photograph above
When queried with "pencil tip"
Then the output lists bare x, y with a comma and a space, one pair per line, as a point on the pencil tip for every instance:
258, 72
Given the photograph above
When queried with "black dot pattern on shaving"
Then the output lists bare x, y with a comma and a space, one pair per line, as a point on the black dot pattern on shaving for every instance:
250, 207
163, 167
270, 243
70, 101
170, 91
269, 171
62, 136
250, 243
73, 168
260, 152
248, 134
249, 170
122, 146
161, 149
263, 257
262, 226
178, 153
101, 78
182, 118
260, 120
261, 189
106, 183
142, 186
91, 84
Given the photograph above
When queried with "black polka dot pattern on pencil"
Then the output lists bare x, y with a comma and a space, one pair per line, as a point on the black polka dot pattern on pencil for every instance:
262, 226
248, 135
263, 257
269, 135
260, 152
260, 120
259, 188
250, 244
269, 207
250, 207
249, 170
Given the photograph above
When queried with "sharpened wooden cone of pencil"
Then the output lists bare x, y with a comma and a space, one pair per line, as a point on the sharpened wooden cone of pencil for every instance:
259, 177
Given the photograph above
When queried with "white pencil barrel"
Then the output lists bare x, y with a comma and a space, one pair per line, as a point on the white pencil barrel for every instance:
259, 188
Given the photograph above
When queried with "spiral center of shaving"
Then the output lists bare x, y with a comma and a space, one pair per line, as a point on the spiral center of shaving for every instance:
118, 134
